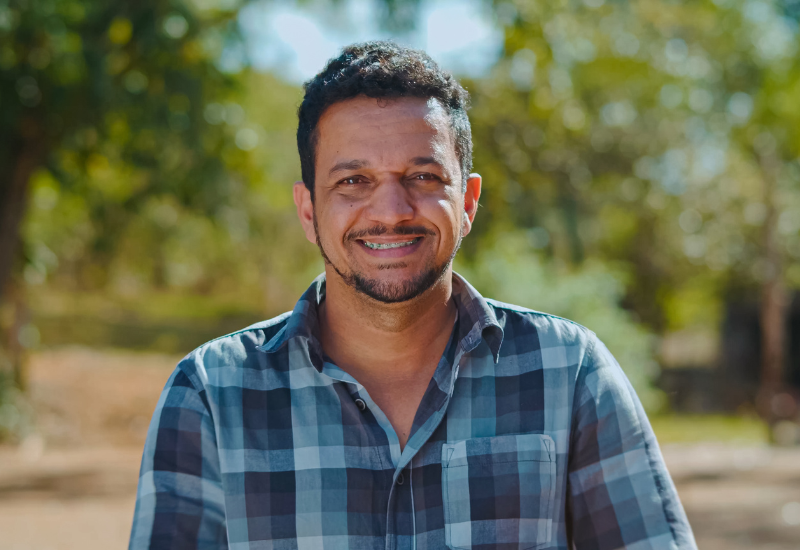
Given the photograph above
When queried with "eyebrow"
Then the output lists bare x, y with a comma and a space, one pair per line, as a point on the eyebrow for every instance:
424, 161
356, 164
431, 161
348, 165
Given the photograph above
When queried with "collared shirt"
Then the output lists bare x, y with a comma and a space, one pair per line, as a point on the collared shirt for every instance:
528, 436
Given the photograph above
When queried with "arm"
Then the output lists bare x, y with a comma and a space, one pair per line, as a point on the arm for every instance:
180, 501
620, 494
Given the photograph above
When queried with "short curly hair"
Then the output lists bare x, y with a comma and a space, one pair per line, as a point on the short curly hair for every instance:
381, 70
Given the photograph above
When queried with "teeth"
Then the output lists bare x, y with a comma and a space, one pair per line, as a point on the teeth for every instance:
376, 246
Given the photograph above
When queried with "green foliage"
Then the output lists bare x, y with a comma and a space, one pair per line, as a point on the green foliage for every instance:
109, 101
507, 269
657, 136
174, 245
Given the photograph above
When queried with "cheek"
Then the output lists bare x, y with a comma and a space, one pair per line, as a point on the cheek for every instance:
335, 221
455, 199
447, 216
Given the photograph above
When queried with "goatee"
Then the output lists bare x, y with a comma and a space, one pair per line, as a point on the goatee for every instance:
390, 293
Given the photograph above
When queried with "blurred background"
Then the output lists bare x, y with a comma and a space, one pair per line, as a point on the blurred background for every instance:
641, 167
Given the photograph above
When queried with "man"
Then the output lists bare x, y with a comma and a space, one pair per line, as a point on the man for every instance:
395, 407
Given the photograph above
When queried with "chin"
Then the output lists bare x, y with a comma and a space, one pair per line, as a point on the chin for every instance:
391, 290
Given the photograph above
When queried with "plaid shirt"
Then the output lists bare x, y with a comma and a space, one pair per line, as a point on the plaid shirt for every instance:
528, 436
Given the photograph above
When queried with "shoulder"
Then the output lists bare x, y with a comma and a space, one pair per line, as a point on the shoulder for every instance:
549, 331
218, 358
563, 343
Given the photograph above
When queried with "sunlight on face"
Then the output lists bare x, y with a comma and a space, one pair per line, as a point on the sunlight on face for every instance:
389, 207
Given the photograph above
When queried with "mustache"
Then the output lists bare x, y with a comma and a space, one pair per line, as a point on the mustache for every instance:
378, 230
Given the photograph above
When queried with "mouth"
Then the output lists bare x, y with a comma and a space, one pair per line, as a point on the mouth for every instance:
387, 246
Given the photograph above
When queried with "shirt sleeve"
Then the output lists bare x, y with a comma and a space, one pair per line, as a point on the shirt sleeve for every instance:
620, 494
179, 503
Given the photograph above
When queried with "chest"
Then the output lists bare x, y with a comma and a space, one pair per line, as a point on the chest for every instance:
400, 401
479, 463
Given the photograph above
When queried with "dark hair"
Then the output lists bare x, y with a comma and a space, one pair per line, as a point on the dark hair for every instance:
381, 70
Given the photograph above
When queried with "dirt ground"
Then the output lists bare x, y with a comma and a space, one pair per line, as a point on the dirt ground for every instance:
73, 484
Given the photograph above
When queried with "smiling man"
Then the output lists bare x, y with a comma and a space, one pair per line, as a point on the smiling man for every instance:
395, 407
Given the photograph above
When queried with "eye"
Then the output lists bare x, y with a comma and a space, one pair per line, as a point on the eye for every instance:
353, 180
425, 177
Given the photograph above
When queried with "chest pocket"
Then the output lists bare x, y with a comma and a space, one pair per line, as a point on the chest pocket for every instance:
498, 492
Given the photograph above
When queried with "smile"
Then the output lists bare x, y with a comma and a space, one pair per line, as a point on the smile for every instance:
384, 246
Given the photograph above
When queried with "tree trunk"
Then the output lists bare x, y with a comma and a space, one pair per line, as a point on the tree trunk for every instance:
23, 154
773, 336
15, 352
774, 303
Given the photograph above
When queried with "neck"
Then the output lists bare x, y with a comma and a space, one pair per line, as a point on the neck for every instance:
366, 337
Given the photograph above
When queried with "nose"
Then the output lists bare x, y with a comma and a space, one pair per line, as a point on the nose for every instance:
390, 204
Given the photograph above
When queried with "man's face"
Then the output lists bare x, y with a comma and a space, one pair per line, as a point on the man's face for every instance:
389, 209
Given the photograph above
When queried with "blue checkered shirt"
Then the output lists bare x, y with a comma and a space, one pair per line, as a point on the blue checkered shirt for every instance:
528, 436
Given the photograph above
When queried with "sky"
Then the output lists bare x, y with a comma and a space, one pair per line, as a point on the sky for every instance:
296, 41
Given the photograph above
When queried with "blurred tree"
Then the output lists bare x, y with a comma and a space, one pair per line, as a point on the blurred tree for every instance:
659, 136
110, 100
107, 101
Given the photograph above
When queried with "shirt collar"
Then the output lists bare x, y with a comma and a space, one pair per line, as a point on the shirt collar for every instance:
477, 320
303, 323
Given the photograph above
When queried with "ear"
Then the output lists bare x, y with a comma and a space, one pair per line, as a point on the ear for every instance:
305, 210
471, 196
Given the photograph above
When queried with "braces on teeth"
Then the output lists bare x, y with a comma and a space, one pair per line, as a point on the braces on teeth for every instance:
376, 246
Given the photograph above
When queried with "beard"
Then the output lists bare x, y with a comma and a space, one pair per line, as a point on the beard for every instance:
382, 291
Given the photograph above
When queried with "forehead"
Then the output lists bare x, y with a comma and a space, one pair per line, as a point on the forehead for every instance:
368, 124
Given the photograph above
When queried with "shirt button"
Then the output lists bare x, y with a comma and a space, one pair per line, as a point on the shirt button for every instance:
401, 479
361, 405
